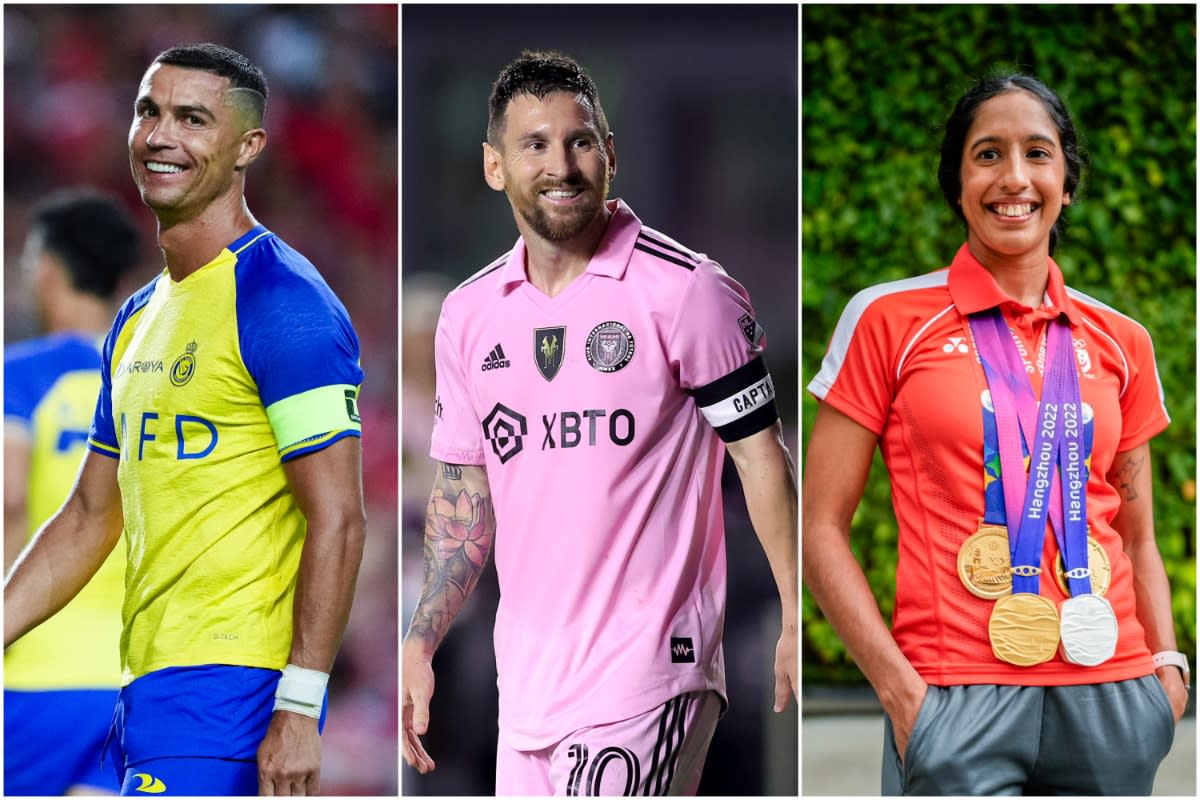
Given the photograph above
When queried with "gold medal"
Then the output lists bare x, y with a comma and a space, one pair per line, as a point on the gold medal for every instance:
1098, 563
984, 565
1024, 629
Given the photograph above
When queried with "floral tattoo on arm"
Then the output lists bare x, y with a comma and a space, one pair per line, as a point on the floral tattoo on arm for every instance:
460, 524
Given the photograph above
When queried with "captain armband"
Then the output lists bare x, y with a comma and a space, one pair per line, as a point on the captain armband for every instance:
741, 403
301, 690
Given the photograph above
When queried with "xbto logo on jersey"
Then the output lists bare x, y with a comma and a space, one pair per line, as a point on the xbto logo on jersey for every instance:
504, 428
495, 360
184, 366
568, 432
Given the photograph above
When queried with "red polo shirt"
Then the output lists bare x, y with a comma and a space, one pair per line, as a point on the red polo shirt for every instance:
903, 364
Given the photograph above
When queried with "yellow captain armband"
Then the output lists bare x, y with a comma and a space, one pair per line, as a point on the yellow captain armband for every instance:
307, 416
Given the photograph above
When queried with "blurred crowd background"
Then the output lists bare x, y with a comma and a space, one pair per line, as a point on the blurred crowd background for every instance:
326, 184
703, 104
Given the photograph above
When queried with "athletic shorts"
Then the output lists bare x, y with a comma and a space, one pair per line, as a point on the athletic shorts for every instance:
193, 730
660, 752
53, 740
1093, 739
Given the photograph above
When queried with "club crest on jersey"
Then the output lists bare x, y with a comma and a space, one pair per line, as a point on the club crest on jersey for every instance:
184, 366
609, 346
549, 344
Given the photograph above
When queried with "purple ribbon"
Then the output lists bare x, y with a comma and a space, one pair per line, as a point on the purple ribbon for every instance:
1056, 430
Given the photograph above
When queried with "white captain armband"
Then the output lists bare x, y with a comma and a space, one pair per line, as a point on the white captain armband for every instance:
301, 690
741, 403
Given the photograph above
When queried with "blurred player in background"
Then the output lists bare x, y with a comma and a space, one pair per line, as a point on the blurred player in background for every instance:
587, 380
61, 681
225, 443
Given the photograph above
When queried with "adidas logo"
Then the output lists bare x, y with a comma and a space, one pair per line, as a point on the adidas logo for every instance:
496, 360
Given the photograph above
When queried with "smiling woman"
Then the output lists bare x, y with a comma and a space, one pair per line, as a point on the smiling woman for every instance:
995, 493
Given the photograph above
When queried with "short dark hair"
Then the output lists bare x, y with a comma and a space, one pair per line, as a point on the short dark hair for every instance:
540, 73
220, 60
91, 234
959, 123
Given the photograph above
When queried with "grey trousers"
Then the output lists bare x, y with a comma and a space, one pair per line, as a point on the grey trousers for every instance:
1099, 739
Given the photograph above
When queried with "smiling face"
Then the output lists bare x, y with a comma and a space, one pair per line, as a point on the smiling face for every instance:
1013, 173
552, 164
189, 141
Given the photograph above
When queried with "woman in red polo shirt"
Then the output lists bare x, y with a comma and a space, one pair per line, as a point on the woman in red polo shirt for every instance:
1032, 649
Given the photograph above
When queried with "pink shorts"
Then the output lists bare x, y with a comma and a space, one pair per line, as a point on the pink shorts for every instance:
660, 752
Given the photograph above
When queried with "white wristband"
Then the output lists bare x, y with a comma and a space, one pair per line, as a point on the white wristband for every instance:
1173, 658
301, 691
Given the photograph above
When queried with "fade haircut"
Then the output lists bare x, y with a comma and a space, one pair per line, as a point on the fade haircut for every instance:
247, 82
538, 74
91, 234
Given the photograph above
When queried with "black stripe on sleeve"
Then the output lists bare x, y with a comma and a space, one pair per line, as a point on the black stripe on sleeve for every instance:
740, 379
666, 246
664, 256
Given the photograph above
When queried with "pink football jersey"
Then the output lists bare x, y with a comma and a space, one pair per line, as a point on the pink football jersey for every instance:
597, 414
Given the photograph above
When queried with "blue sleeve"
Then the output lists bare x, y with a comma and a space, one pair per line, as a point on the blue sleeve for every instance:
103, 436
294, 333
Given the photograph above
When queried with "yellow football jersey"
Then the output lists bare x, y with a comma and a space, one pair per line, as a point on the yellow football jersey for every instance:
209, 384
50, 388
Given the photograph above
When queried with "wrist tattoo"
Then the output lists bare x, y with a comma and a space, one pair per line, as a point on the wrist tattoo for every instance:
452, 472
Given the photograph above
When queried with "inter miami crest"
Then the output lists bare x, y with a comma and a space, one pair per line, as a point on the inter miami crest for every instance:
548, 347
609, 346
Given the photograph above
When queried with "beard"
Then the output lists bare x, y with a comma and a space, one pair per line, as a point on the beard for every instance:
561, 224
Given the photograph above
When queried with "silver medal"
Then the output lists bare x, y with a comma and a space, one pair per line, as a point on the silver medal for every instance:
1089, 630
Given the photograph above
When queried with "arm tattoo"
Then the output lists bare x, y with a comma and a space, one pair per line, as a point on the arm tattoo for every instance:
1127, 477
459, 527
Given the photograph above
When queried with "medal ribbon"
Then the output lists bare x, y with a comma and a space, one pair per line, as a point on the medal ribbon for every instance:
1070, 523
1015, 409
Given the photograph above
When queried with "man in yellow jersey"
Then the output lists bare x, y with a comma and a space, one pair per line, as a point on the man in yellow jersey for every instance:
225, 444
60, 682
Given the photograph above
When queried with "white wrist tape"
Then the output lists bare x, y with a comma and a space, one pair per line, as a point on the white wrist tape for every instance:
301, 690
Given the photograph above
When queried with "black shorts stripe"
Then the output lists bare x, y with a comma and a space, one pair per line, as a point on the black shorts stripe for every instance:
662, 748
686, 265
679, 730
662, 783
668, 246
728, 385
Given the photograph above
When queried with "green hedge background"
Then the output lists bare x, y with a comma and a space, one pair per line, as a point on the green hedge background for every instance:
878, 84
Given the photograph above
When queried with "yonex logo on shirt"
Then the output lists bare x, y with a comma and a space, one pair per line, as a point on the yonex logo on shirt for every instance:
495, 360
955, 343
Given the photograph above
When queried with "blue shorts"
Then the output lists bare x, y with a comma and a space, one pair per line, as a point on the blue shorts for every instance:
193, 730
53, 740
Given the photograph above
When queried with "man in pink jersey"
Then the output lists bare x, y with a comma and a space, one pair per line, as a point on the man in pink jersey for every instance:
588, 383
